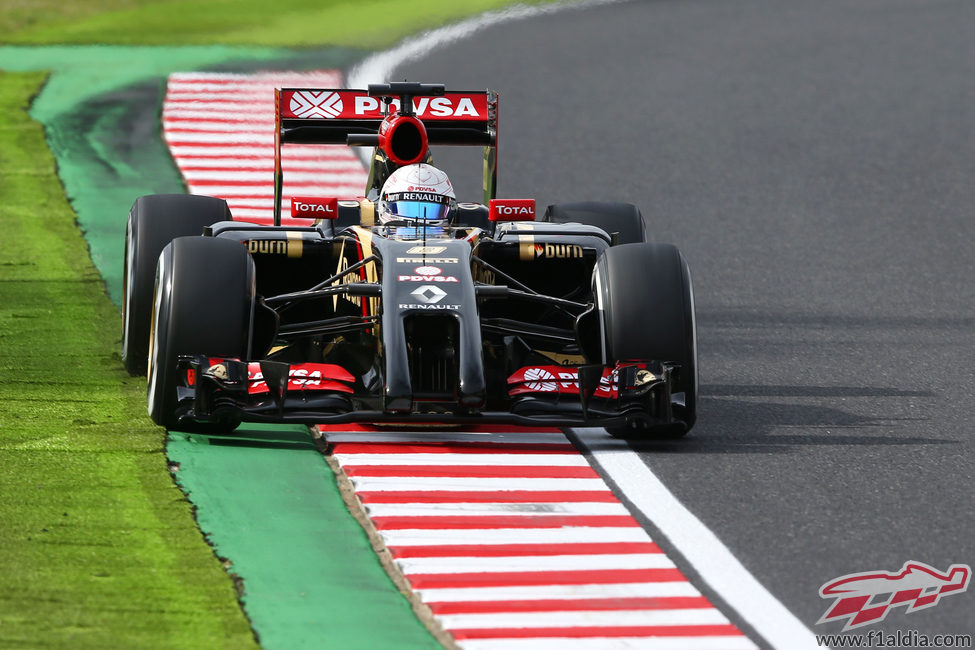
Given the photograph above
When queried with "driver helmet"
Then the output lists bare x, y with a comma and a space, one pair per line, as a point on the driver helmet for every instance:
417, 194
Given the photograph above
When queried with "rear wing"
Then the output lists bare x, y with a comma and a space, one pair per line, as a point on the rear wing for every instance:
354, 117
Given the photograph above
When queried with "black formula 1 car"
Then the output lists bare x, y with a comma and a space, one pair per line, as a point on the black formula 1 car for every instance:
570, 319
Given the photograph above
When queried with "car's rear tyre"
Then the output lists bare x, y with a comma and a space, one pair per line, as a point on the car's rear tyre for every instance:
624, 219
154, 221
646, 304
204, 302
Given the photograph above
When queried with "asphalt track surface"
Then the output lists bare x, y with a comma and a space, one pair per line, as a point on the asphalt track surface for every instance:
815, 164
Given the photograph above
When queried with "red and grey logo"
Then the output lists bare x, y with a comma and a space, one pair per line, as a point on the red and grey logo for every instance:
866, 598
310, 103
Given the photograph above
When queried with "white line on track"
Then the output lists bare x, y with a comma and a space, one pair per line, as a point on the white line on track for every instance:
695, 541
378, 67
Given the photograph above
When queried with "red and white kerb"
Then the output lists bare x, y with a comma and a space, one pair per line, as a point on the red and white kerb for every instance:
514, 541
220, 131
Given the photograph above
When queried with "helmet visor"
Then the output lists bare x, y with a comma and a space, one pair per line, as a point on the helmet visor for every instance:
417, 206
417, 210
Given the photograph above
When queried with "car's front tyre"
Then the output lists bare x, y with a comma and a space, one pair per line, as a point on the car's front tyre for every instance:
203, 304
646, 307
153, 222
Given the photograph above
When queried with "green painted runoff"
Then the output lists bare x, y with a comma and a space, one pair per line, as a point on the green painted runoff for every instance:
311, 577
99, 545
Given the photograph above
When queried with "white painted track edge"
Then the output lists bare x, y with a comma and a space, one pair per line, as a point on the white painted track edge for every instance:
713, 561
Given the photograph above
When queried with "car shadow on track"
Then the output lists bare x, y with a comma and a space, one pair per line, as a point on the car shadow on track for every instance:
750, 419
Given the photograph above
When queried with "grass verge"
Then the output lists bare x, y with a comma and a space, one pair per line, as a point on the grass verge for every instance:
287, 23
99, 548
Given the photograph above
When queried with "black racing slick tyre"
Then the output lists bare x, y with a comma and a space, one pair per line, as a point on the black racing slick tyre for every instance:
154, 221
646, 304
624, 219
204, 303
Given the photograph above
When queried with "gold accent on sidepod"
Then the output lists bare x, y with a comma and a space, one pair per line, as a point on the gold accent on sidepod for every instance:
372, 276
295, 244
367, 213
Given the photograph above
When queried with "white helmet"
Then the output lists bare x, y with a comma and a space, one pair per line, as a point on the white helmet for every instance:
418, 193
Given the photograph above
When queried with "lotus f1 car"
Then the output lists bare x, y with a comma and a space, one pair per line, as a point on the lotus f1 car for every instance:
497, 315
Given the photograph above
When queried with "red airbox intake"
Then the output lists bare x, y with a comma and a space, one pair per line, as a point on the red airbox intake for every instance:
403, 138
